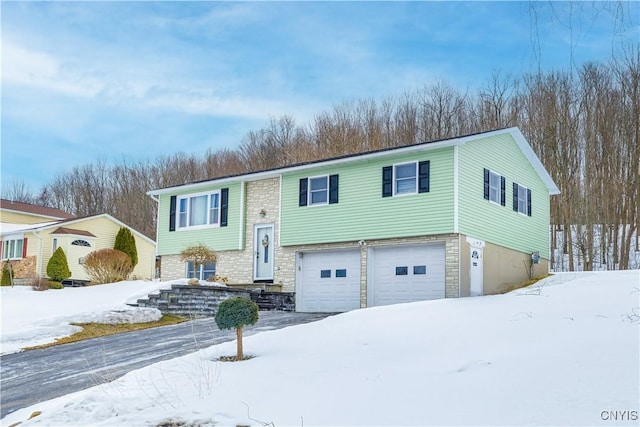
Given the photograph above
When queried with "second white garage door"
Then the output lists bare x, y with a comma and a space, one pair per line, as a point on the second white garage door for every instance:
328, 281
406, 273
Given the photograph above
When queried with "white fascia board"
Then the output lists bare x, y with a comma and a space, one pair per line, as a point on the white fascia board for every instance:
534, 160
309, 166
526, 149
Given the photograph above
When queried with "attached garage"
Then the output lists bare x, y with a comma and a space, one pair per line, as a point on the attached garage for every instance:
398, 274
328, 281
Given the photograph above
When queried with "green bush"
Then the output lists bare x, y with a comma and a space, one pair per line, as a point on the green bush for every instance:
55, 285
126, 243
58, 268
237, 313
7, 275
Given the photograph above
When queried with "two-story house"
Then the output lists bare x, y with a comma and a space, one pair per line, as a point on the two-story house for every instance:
450, 218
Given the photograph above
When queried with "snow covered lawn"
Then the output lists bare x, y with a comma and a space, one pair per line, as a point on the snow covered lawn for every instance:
554, 354
32, 318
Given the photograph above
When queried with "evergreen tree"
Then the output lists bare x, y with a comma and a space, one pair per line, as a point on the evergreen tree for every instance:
126, 243
57, 267
7, 275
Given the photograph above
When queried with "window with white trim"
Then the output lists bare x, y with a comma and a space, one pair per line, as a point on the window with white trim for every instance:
319, 190
204, 272
521, 199
80, 242
198, 210
494, 187
12, 249
405, 178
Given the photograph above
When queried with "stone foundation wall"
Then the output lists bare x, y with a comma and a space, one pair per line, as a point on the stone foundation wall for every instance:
24, 268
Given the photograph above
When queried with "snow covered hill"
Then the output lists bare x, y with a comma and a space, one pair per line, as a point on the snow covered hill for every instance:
550, 354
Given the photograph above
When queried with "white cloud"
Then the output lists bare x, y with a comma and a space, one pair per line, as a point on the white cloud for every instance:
27, 67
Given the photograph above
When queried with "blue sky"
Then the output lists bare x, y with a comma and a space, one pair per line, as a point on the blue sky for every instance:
83, 81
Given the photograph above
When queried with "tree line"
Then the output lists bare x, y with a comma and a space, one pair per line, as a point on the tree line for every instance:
582, 123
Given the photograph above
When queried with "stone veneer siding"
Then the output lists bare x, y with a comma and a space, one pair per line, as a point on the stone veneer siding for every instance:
24, 268
237, 265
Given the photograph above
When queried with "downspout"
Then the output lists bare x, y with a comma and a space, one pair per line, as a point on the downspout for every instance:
153, 266
455, 213
40, 255
242, 228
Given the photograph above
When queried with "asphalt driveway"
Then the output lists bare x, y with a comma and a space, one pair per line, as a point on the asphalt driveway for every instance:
38, 375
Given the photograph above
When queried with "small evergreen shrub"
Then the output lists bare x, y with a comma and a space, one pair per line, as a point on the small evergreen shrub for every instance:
107, 266
237, 313
7, 274
126, 243
57, 267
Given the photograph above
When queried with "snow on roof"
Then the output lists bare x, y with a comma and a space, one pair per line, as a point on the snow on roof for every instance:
7, 227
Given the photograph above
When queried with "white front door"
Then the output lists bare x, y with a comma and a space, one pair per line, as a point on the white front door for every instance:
476, 266
263, 252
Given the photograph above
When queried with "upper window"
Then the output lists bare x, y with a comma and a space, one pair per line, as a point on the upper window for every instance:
405, 178
494, 187
200, 210
318, 190
13, 249
521, 199
81, 243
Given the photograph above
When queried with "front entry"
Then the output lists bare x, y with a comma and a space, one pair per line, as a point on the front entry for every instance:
263, 252
476, 267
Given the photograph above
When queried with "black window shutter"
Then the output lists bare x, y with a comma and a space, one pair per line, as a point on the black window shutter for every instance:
333, 189
172, 213
302, 195
224, 206
503, 192
528, 202
515, 196
387, 181
486, 184
423, 177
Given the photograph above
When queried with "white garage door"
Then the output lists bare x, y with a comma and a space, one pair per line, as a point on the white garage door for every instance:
406, 274
328, 281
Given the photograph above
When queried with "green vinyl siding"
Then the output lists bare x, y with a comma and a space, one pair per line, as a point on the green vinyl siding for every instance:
217, 238
362, 213
501, 225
